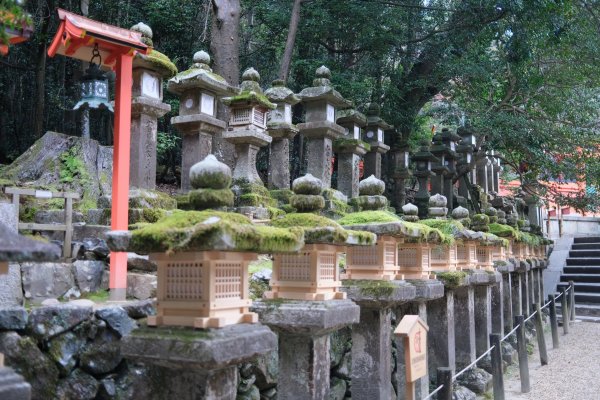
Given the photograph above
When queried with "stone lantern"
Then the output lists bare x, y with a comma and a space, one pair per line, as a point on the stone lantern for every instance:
350, 148
281, 129
466, 148
247, 125
444, 148
321, 102
198, 89
374, 136
401, 173
423, 159
146, 107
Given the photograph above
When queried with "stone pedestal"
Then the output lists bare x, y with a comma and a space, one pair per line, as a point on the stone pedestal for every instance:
197, 131
304, 327
196, 365
8, 217
348, 169
483, 317
373, 159
371, 338
464, 325
144, 114
247, 143
279, 164
440, 318
507, 299
319, 148
517, 293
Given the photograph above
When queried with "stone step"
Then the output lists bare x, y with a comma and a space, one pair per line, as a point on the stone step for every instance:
587, 239
585, 246
587, 297
582, 309
584, 253
592, 261
582, 287
580, 277
582, 269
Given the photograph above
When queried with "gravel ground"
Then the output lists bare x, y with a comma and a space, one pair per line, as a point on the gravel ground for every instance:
573, 370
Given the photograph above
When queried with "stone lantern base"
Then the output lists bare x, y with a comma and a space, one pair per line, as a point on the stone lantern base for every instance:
379, 262
206, 289
311, 274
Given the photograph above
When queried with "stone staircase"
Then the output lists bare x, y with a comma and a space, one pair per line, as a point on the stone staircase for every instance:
583, 268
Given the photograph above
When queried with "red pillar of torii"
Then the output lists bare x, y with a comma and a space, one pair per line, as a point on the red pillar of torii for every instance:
76, 37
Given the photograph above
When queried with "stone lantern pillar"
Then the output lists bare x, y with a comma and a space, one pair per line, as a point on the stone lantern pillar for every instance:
466, 148
401, 160
482, 173
496, 169
423, 159
198, 89
350, 148
146, 107
444, 148
320, 128
374, 136
247, 125
281, 129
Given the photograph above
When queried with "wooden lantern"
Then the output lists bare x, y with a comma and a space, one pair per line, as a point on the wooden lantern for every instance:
312, 274
379, 262
205, 289
466, 255
444, 258
485, 259
414, 260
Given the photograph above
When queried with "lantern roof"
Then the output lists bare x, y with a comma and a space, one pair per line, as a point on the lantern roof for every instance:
77, 35
279, 93
373, 118
351, 116
200, 76
424, 154
323, 90
251, 94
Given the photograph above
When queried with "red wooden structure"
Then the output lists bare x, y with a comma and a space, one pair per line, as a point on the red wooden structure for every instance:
76, 37
20, 32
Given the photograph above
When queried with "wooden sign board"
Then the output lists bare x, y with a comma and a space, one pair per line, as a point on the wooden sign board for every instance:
414, 331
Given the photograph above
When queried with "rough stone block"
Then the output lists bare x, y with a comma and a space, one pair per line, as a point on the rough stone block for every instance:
13, 386
8, 216
379, 294
46, 280
140, 263
11, 289
47, 322
141, 286
64, 351
78, 385
139, 309
88, 275
13, 318
117, 319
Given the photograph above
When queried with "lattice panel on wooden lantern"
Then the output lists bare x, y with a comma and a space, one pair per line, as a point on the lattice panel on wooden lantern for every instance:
484, 257
499, 253
327, 265
414, 260
259, 117
294, 267
362, 255
228, 280
408, 257
184, 280
391, 253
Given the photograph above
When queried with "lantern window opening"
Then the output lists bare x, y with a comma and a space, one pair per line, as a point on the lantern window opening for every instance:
379, 135
288, 113
259, 117
330, 113
241, 116
356, 132
207, 103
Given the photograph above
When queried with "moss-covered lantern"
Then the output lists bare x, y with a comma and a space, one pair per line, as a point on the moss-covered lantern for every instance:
374, 135
423, 159
313, 274
350, 148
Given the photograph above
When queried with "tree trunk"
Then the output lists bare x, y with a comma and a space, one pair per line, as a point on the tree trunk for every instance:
284, 69
40, 69
224, 48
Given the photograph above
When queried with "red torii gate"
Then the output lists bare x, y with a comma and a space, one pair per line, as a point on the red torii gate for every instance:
76, 37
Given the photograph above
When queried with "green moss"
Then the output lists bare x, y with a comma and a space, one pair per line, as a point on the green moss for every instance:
480, 219
304, 220
201, 199
212, 230
450, 228
345, 143
372, 288
452, 279
247, 97
504, 231
183, 202
152, 214
376, 202
281, 195
288, 209
256, 192
100, 296
368, 217
428, 234
275, 212
255, 200
163, 62
307, 202
27, 213
361, 237
152, 199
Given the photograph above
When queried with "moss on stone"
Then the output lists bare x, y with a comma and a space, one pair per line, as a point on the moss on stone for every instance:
346, 143
307, 202
260, 194
428, 234
367, 217
505, 231
247, 97
153, 214
163, 62
450, 228
281, 195
362, 238
317, 229
275, 212
372, 288
212, 230
361, 203
201, 199
143, 198
183, 201
452, 279
288, 209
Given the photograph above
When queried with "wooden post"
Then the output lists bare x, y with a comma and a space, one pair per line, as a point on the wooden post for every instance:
497, 370
120, 183
68, 226
522, 350
553, 321
572, 300
444, 377
409, 391
565, 312
539, 330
